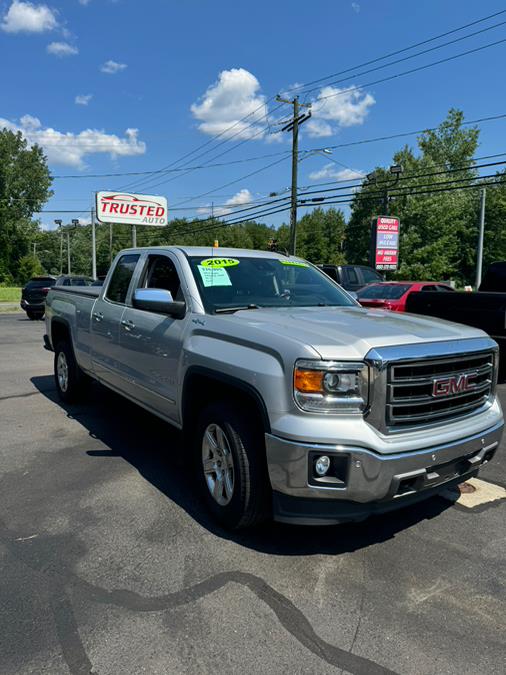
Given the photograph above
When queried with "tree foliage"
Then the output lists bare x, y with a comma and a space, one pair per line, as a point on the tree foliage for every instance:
439, 219
24, 187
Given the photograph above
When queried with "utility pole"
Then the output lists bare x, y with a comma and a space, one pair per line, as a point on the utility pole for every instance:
385, 201
34, 249
93, 246
134, 236
479, 261
59, 222
293, 126
68, 251
75, 223
110, 244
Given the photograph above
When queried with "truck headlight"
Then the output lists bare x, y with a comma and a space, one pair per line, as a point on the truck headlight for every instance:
331, 386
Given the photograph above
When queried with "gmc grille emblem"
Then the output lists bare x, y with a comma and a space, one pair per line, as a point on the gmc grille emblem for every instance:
456, 384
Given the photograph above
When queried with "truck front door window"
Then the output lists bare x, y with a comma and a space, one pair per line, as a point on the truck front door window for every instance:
162, 274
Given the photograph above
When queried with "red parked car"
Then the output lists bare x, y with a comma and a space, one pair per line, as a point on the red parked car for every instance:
393, 294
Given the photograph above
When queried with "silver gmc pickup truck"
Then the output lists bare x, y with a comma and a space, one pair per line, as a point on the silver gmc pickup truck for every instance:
295, 402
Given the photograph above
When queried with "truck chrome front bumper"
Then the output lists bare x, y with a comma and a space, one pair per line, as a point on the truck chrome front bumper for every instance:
364, 477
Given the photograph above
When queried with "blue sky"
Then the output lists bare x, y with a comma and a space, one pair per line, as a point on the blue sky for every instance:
113, 86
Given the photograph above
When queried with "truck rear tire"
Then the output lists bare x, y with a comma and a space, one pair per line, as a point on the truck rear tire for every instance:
69, 378
229, 454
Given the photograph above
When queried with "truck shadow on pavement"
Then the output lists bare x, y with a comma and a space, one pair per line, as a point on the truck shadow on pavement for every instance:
156, 450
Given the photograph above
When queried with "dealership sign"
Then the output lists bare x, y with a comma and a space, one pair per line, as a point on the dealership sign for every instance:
386, 242
115, 207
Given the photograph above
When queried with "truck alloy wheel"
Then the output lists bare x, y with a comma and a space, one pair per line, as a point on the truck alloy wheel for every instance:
229, 458
218, 464
62, 370
69, 378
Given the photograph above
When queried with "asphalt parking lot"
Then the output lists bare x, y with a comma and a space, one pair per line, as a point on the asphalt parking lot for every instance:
110, 565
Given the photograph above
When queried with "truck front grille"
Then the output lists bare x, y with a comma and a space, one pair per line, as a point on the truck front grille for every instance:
425, 392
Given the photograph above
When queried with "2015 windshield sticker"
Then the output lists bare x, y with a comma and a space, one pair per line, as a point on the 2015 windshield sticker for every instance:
219, 263
212, 276
294, 263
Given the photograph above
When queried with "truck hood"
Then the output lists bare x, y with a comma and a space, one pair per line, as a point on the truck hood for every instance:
350, 332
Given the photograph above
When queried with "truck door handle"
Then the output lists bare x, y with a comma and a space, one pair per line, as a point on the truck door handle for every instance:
98, 316
127, 325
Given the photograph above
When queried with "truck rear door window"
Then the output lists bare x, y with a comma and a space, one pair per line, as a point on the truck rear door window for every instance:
121, 278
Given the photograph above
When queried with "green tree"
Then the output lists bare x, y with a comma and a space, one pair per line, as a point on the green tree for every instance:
438, 226
494, 243
24, 187
29, 266
320, 236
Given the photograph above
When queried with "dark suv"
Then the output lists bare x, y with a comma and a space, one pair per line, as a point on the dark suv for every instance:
71, 280
352, 277
33, 296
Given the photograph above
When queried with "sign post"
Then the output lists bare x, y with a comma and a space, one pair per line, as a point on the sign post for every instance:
385, 243
130, 209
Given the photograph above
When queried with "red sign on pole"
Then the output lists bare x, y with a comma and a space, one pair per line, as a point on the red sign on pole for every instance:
386, 240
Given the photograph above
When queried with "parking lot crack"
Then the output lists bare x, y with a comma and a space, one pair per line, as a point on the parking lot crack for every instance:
290, 617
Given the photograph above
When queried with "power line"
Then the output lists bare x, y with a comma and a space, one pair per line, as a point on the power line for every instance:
237, 180
157, 171
261, 131
398, 51
344, 92
406, 133
265, 103
407, 58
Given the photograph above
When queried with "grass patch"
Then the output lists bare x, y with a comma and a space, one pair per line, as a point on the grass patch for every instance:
10, 310
10, 294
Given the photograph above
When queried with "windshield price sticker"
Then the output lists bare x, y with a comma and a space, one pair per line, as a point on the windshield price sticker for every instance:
212, 276
219, 263
293, 263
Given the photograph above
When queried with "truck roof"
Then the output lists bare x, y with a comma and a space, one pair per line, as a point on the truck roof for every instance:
221, 252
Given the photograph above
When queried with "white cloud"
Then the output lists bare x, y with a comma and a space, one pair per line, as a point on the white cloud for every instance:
26, 17
334, 108
233, 96
61, 49
83, 99
70, 149
241, 198
112, 67
84, 2
333, 173
355, 7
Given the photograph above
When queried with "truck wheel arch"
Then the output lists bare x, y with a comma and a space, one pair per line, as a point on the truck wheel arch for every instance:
60, 330
197, 387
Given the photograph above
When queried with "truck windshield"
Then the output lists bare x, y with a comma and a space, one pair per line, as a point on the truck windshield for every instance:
250, 283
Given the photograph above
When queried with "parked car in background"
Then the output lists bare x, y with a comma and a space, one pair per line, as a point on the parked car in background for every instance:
352, 277
33, 296
394, 294
485, 309
73, 280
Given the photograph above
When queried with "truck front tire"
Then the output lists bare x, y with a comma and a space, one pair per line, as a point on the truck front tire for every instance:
69, 378
229, 456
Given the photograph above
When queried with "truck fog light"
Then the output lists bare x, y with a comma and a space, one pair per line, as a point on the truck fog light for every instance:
322, 465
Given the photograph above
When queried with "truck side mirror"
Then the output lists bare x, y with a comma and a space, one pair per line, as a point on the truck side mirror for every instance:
158, 300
